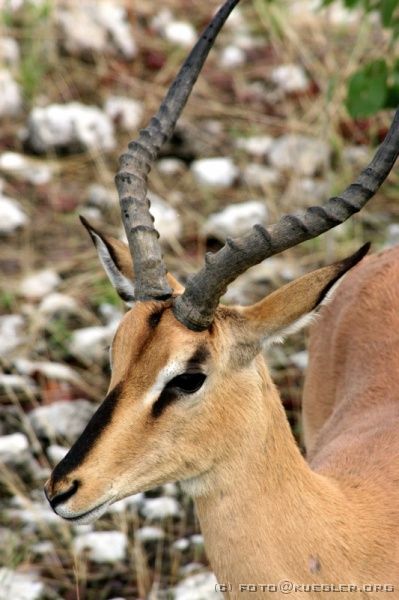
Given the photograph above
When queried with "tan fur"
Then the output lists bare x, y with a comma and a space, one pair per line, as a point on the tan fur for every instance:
266, 514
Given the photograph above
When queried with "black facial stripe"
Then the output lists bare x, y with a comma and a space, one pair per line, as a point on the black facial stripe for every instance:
90, 435
168, 395
154, 318
198, 358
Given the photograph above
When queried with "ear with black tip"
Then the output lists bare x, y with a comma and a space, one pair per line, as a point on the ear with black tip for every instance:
117, 262
291, 307
115, 258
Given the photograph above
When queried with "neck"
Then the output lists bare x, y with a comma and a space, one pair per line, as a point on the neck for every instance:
265, 515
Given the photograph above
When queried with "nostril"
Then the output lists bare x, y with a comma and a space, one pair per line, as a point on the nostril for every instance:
62, 496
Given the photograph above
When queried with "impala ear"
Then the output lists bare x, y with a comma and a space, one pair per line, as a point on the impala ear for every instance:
291, 307
118, 265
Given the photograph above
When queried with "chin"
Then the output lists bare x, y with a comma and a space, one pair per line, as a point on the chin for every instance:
83, 518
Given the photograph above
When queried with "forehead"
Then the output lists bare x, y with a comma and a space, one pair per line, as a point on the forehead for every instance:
149, 336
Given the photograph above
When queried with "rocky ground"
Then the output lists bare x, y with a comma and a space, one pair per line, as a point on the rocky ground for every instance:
266, 131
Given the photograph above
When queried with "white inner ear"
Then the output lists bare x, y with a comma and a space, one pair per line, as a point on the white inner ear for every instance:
279, 336
122, 284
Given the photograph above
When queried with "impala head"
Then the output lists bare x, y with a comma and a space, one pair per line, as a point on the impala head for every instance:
184, 368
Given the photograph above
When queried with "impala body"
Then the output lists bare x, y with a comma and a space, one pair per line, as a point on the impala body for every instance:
191, 399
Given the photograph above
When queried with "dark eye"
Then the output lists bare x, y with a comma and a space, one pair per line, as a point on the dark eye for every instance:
187, 382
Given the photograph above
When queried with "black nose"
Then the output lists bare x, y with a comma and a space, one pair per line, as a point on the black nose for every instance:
59, 498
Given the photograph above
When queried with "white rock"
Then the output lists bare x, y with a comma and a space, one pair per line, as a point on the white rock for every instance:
340, 15
10, 95
216, 172
11, 215
190, 568
356, 156
35, 514
120, 506
101, 197
124, 111
71, 125
56, 453
248, 41
126, 503
110, 313
235, 220
197, 539
170, 489
290, 78
9, 51
181, 544
247, 288
300, 359
260, 176
305, 191
201, 586
37, 285
300, 154
102, 546
12, 333
136, 500
17, 382
163, 507
161, 19
63, 419
43, 548
149, 534
80, 32
50, 370
114, 19
392, 234
257, 145
13, 444
58, 303
20, 586
90, 343
96, 27
91, 214
171, 166
232, 57
167, 220
32, 171
181, 33
272, 269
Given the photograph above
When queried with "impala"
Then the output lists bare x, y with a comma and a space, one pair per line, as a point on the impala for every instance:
191, 399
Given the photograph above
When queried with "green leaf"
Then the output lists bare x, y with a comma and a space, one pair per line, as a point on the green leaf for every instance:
367, 90
387, 9
351, 3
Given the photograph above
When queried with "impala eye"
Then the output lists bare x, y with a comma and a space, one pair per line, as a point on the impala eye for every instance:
187, 382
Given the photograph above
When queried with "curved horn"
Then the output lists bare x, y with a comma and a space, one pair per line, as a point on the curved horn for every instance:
131, 180
196, 306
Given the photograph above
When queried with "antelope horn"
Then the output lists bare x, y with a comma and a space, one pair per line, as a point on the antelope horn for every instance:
195, 308
131, 180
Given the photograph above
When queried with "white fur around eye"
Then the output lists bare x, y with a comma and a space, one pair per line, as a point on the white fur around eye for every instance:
169, 371
122, 284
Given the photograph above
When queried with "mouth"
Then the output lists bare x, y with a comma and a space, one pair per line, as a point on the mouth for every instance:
86, 517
